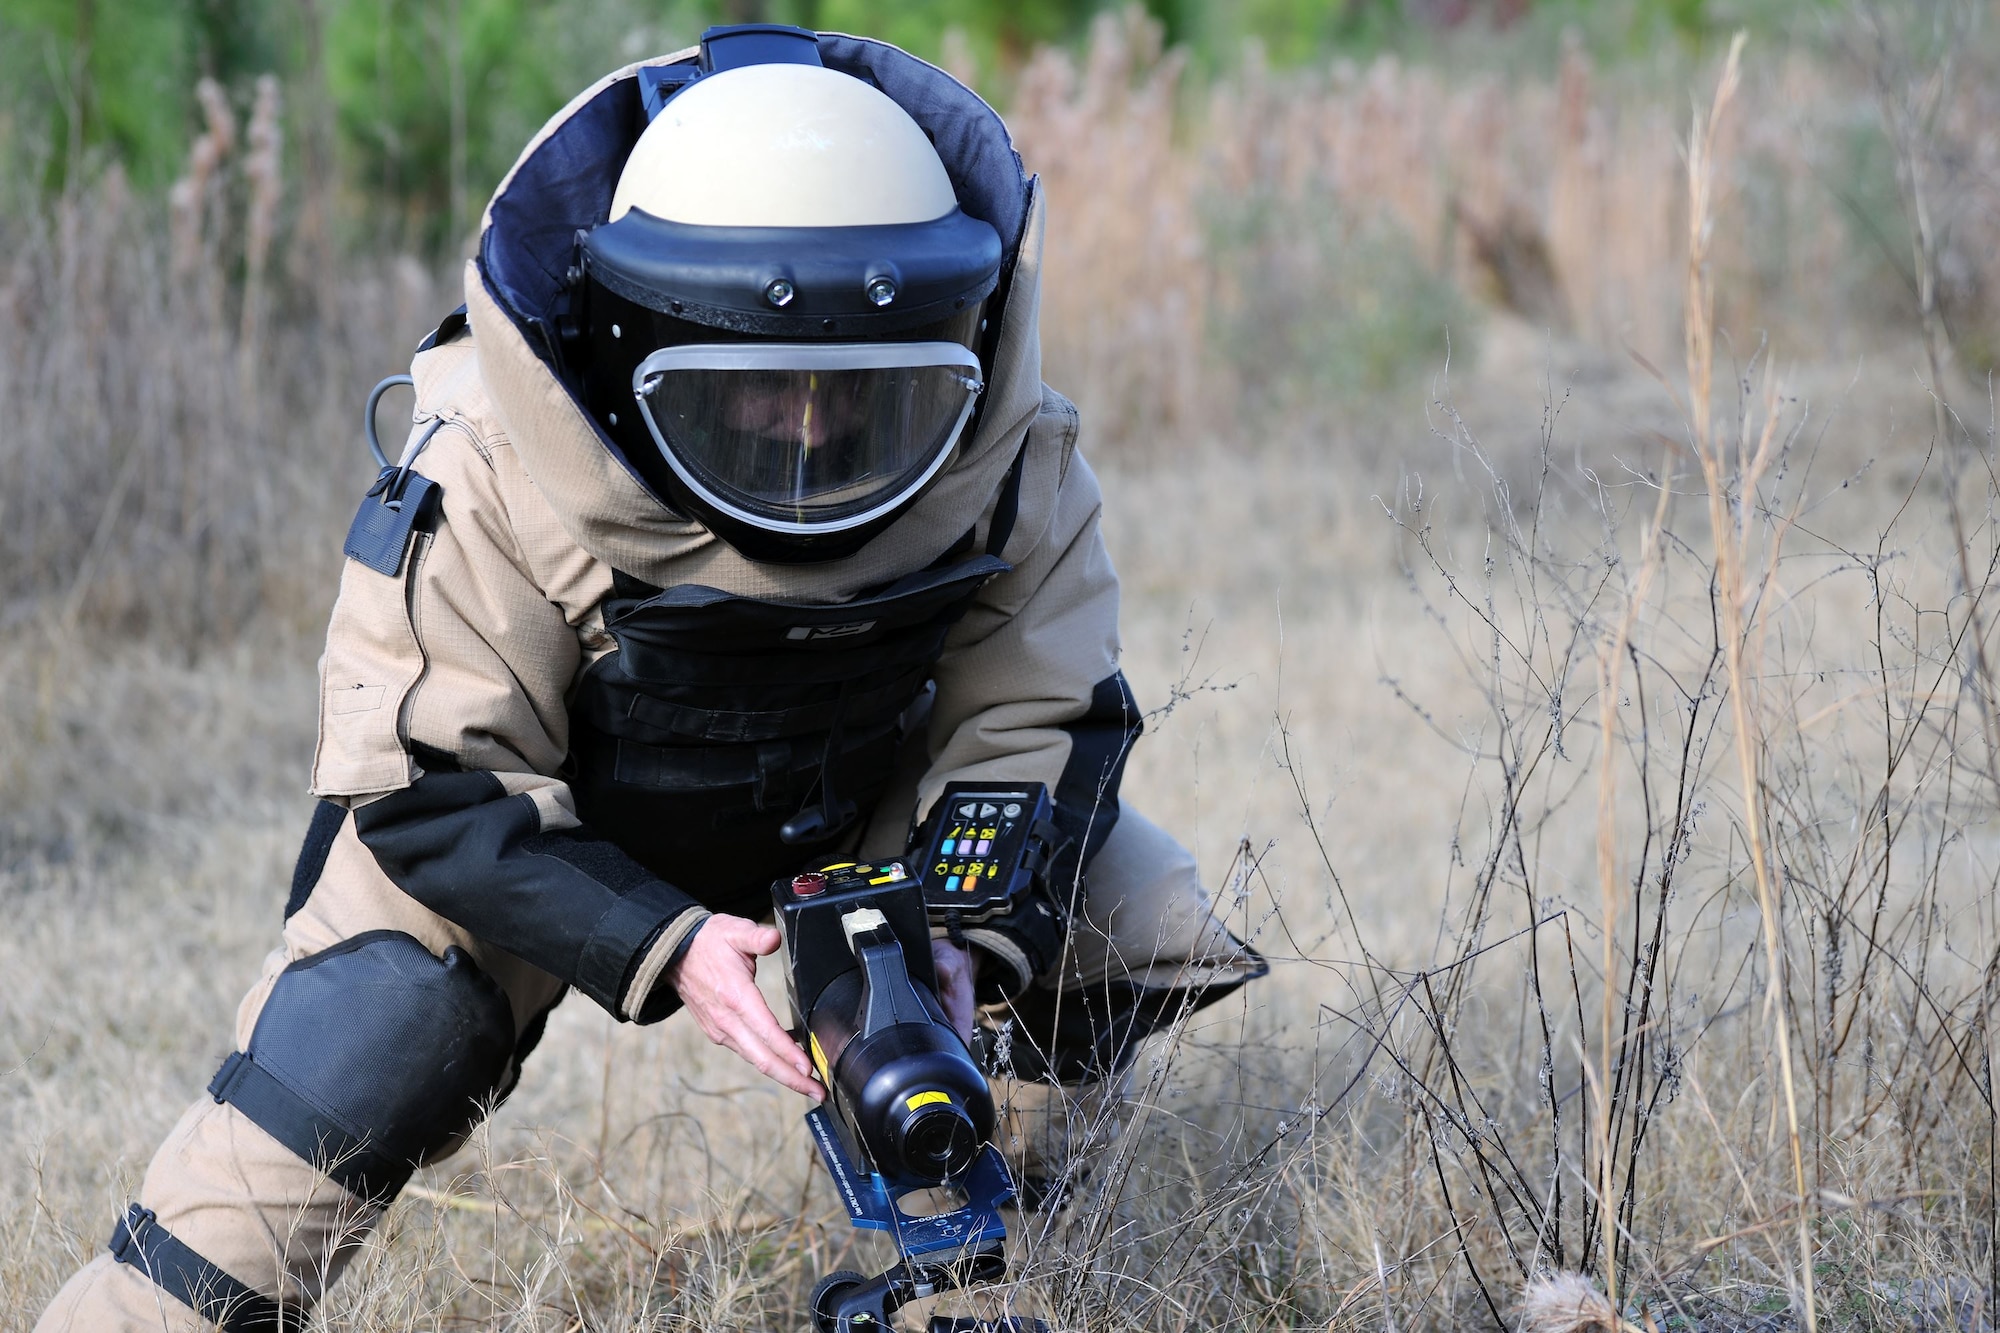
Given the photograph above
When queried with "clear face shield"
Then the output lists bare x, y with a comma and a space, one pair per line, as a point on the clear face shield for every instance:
806, 438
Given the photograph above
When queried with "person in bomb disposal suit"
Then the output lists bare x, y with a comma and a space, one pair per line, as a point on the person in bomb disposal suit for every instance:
736, 522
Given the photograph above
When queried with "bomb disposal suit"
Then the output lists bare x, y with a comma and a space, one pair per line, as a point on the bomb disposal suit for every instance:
735, 524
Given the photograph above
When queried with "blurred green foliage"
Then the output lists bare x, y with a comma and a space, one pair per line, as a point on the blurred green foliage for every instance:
430, 100
111, 78
1319, 304
999, 34
415, 86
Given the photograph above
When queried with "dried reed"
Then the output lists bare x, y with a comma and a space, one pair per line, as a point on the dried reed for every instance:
179, 449
1706, 1052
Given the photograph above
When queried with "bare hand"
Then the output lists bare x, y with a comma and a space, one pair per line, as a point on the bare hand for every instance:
717, 980
954, 977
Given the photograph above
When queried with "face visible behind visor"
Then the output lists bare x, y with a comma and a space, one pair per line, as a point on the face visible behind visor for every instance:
779, 321
807, 439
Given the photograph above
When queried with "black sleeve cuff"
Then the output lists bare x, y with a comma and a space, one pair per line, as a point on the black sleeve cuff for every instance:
568, 901
663, 1000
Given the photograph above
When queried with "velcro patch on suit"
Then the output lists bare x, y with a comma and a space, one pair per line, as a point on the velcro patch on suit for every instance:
356, 698
400, 503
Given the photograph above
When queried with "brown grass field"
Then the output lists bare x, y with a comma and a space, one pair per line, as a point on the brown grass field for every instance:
1596, 725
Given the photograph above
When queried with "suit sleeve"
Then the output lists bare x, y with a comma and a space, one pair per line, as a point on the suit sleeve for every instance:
1029, 687
443, 726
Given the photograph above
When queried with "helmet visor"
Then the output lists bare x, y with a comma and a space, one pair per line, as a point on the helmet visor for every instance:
804, 437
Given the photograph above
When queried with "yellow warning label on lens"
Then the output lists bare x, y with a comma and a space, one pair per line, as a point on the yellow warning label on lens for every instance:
927, 1099
819, 1060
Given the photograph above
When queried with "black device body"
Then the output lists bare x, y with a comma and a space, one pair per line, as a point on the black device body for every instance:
906, 1101
906, 1093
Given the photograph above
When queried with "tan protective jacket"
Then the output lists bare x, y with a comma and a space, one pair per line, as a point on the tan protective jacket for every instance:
469, 652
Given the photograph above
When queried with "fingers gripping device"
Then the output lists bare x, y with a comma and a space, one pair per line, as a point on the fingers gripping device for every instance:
907, 1107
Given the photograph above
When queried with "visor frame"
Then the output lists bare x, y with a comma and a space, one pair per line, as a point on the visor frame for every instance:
721, 276
823, 356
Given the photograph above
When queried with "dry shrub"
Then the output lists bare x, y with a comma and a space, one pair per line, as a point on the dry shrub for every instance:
179, 452
1567, 1303
182, 452
1705, 1014
1123, 299
1321, 230
1719, 782
1932, 71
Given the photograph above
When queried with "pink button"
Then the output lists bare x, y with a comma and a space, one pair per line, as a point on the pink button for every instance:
985, 846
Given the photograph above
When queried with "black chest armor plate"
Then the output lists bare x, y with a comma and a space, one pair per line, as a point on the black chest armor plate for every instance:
719, 718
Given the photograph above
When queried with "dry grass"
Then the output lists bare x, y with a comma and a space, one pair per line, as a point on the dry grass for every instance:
179, 444
1606, 762
1312, 227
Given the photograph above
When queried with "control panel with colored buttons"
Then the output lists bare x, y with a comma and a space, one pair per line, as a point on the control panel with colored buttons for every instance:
846, 877
987, 845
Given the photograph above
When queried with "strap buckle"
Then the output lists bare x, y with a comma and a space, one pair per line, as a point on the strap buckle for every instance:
127, 1245
227, 1077
140, 1241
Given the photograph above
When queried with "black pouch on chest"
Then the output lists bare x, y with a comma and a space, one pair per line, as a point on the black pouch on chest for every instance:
401, 502
719, 717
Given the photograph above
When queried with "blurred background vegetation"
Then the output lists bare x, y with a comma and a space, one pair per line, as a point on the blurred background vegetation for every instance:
416, 107
224, 219
1362, 301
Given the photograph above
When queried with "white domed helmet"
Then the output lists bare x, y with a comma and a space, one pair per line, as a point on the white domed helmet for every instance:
780, 318
784, 146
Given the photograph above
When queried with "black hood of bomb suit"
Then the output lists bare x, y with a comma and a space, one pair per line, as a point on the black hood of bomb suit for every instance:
564, 184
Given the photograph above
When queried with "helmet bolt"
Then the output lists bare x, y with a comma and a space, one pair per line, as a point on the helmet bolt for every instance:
881, 291
780, 292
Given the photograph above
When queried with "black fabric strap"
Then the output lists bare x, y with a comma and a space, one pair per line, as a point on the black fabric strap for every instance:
325, 827
305, 1129
605, 963
1008, 508
724, 767
878, 703
142, 1242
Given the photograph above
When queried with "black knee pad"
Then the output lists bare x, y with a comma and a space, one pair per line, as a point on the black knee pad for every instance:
370, 1057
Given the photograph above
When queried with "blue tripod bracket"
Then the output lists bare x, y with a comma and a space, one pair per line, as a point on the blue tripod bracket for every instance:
872, 1207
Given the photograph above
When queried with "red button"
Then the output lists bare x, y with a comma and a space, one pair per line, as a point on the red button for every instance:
808, 885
